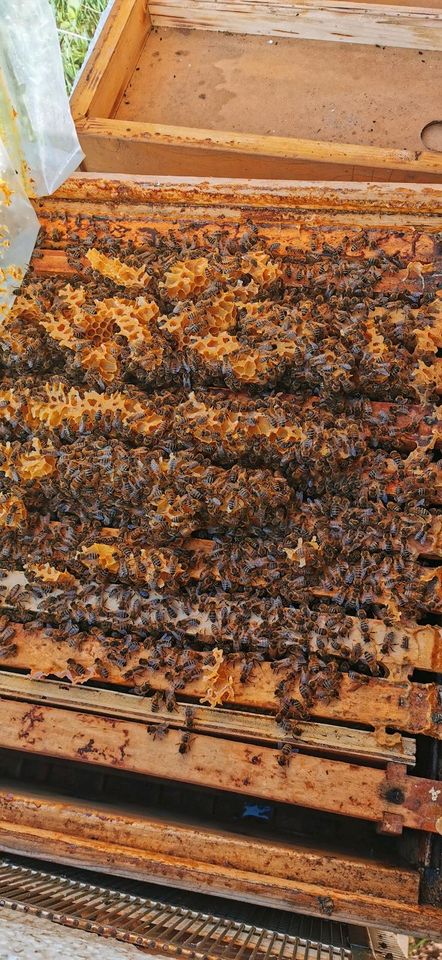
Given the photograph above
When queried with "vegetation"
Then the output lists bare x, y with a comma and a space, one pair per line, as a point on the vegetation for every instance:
76, 21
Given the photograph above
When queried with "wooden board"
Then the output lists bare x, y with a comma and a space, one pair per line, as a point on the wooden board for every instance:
402, 705
244, 84
226, 105
397, 24
120, 42
414, 208
378, 747
99, 838
390, 798
182, 836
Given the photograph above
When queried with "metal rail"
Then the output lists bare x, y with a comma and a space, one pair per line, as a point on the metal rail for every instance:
171, 922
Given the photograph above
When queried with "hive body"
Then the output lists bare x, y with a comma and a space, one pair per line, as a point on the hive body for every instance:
219, 478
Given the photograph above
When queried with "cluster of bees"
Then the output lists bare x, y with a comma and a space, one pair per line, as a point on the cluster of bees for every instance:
247, 318
212, 450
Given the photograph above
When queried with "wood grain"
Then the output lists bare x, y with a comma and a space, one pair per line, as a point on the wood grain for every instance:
233, 724
409, 707
298, 895
112, 60
315, 782
413, 206
394, 25
217, 845
187, 145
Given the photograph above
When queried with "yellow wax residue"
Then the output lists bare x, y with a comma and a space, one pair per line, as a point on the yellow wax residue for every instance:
5, 193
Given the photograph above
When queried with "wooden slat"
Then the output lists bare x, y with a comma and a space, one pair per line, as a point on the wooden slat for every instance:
111, 150
296, 895
109, 67
235, 724
387, 24
217, 845
408, 707
192, 143
315, 782
380, 205
51, 262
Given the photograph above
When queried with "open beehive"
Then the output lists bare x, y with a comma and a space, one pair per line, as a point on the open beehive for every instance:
220, 494
298, 89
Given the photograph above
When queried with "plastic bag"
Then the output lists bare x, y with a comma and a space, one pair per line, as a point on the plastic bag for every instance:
35, 120
18, 232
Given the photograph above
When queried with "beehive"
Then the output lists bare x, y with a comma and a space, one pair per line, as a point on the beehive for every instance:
238, 520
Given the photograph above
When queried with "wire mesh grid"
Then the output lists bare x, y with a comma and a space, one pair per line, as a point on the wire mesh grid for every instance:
174, 922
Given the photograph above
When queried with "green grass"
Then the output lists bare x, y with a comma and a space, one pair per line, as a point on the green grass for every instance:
76, 22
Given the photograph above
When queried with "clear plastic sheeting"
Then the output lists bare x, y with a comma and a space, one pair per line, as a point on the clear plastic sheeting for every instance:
18, 232
35, 121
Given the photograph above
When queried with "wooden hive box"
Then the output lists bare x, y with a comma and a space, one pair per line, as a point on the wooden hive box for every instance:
252, 89
355, 828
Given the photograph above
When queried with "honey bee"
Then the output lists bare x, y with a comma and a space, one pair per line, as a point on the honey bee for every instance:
185, 743
158, 730
286, 751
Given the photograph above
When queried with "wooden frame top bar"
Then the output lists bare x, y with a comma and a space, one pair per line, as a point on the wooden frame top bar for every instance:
410, 201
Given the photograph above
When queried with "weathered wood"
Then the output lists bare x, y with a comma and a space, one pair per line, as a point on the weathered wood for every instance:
414, 206
111, 63
134, 147
388, 24
144, 830
409, 707
190, 149
296, 895
233, 724
331, 785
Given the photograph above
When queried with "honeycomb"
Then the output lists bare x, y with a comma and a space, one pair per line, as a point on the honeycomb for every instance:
48, 574
60, 329
261, 267
131, 320
13, 512
102, 359
241, 463
186, 277
26, 462
221, 312
215, 346
117, 271
59, 404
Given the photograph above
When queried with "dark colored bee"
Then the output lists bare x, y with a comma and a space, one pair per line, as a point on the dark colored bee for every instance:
189, 715
286, 752
185, 742
158, 730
